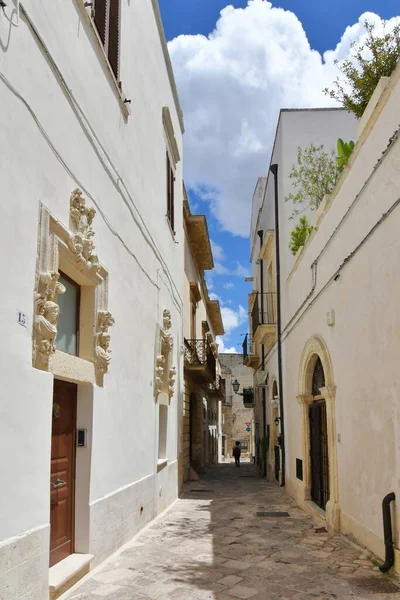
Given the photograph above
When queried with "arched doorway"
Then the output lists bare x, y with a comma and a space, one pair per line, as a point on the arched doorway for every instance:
317, 398
319, 456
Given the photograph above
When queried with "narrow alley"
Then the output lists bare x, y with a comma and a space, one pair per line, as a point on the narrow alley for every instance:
234, 536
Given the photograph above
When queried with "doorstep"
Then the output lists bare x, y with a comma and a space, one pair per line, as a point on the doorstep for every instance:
67, 572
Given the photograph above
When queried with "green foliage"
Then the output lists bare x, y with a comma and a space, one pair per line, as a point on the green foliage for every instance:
314, 176
300, 234
368, 63
344, 150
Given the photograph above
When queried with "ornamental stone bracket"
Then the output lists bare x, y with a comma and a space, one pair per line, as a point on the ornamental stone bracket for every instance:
102, 351
164, 372
46, 317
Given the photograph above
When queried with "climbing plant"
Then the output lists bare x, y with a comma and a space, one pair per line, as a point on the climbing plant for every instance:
313, 176
376, 57
344, 150
299, 234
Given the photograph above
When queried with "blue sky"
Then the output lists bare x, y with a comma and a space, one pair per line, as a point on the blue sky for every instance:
231, 93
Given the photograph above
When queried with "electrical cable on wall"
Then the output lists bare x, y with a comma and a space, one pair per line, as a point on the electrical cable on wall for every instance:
107, 164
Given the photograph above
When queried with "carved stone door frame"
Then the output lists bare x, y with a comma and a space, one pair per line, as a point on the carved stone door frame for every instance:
316, 348
71, 249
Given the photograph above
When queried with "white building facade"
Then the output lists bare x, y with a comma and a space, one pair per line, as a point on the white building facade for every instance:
339, 330
92, 261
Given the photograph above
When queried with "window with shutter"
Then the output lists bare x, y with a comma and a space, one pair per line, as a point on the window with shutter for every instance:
107, 21
170, 193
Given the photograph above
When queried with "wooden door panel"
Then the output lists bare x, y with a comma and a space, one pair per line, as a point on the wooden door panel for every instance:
62, 471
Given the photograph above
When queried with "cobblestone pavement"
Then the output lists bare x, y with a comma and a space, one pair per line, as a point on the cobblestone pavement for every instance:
212, 545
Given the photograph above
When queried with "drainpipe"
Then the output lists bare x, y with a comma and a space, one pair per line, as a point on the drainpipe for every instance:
274, 171
260, 234
387, 533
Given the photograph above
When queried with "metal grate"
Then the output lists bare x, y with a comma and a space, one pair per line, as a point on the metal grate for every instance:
318, 379
319, 454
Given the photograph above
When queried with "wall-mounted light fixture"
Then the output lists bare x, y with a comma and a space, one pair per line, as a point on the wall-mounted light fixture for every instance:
236, 386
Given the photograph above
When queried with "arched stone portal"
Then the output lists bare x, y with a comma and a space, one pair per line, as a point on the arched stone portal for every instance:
316, 375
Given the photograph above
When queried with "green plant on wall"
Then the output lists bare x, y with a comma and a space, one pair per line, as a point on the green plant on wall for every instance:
299, 234
313, 176
376, 57
344, 150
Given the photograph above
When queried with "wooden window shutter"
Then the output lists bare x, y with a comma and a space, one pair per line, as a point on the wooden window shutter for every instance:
172, 201
168, 187
114, 36
100, 18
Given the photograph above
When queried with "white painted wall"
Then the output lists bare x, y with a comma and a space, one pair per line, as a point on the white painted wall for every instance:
363, 344
48, 150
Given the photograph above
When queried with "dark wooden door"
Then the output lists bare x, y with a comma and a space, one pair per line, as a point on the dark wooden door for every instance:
62, 471
319, 454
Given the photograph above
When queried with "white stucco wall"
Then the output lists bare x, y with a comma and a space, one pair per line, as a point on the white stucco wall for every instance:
120, 166
362, 247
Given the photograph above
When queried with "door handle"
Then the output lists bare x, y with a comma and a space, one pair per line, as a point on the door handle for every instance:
58, 483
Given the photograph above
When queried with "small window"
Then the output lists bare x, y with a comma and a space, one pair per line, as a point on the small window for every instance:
68, 321
107, 21
170, 194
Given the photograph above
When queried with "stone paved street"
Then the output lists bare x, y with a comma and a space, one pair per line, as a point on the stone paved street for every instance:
212, 545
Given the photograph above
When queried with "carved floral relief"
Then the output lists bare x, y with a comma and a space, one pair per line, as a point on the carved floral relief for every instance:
81, 241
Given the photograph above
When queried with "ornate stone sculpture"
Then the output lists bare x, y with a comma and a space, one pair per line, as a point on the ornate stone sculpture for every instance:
171, 386
164, 373
159, 373
46, 318
103, 353
81, 242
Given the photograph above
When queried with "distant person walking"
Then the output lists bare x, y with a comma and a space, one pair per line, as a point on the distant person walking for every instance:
236, 453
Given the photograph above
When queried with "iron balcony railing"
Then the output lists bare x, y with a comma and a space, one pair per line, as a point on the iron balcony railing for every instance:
217, 387
264, 310
198, 354
245, 346
248, 397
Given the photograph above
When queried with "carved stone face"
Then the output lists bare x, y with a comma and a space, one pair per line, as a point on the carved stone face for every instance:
167, 320
51, 312
104, 341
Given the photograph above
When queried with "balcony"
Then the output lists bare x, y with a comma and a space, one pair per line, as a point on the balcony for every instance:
216, 389
200, 361
248, 397
263, 319
250, 357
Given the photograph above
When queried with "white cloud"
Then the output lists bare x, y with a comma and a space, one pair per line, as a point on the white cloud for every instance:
232, 85
241, 271
217, 250
222, 348
219, 269
229, 285
214, 296
232, 318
